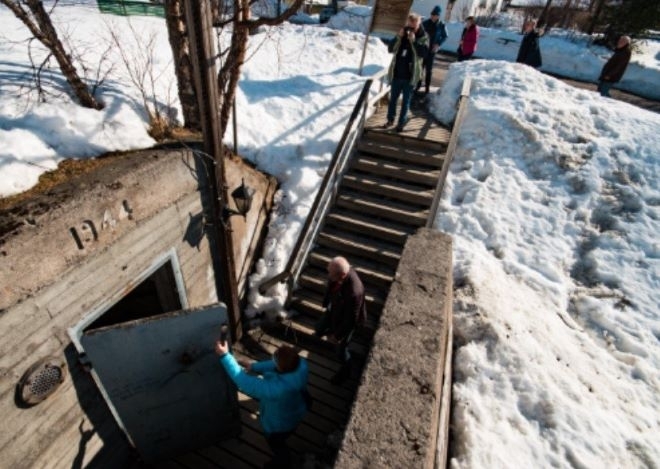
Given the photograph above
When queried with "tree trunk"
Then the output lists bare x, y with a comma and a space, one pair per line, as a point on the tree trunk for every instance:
43, 30
176, 29
596, 15
543, 19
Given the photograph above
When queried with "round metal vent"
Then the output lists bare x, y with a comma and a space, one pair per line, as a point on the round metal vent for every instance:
41, 380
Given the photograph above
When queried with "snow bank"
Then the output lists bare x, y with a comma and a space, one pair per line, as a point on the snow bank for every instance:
570, 55
554, 204
35, 137
356, 18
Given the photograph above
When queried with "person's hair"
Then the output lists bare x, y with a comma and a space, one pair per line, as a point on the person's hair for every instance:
470, 18
626, 38
287, 359
414, 17
340, 265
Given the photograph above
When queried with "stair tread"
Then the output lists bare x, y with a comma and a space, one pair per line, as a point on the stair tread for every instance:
392, 231
405, 141
317, 295
401, 212
394, 189
321, 256
347, 243
432, 158
315, 281
404, 171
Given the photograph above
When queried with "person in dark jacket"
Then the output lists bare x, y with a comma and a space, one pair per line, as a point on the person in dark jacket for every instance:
530, 52
615, 67
345, 310
437, 33
409, 47
469, 38
280, 391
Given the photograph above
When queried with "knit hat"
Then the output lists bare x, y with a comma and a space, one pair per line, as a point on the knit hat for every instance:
436, 10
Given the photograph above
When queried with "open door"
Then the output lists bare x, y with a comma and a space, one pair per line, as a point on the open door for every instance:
163, 382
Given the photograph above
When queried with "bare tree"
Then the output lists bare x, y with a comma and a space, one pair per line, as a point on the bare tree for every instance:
234, 56
231, 16
137, 53
543, 18
38, 21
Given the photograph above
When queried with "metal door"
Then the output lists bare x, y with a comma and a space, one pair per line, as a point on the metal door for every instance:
163, 382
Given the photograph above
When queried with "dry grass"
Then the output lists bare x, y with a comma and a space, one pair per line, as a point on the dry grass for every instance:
71, 168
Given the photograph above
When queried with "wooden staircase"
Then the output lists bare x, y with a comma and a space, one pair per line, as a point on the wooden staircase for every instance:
384, 196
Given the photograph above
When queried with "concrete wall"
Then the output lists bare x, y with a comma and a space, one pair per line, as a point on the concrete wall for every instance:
125, 217
395, 416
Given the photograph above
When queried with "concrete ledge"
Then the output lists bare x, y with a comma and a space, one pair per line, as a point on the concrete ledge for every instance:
395, 416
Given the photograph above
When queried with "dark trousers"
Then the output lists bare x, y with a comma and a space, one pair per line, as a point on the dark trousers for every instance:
399, 87
604, 88
462, 56
428, 71
322, 327
281, 452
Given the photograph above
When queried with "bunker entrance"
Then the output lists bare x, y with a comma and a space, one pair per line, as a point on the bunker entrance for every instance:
152, 358
157, 294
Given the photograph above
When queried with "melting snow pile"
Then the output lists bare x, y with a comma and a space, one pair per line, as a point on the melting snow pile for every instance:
554, 204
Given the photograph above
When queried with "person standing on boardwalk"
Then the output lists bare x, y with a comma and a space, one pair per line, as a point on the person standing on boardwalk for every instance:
615, 67
409, 47
345, 310
530, 52
280, 389
437, 33
469, 38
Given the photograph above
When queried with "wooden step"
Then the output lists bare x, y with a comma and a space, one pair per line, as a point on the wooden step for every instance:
402, 172
408, 142
312, 292
348, 243
418, 156
390, 189
316, 300
370, 273
358, 223
378, 207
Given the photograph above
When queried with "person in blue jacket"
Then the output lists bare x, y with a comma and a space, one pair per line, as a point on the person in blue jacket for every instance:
280, 385
437, 32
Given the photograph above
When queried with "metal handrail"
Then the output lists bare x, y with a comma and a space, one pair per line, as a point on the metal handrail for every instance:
451, 149
327, 191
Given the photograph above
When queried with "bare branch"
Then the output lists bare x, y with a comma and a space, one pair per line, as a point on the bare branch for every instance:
286, 14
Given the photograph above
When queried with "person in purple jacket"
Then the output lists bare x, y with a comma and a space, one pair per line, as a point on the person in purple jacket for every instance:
280, 386
469, 38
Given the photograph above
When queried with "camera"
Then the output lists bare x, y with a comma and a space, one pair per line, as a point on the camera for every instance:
407, 29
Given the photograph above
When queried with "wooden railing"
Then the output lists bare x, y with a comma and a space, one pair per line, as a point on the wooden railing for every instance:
328, 190
451, 149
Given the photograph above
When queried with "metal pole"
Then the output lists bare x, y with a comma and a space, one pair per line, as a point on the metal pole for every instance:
234, 125
202, 52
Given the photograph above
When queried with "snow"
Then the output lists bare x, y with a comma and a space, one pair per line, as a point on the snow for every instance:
553, 202
569, 54
356, 18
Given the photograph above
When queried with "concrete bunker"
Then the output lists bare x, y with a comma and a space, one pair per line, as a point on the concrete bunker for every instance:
122, 249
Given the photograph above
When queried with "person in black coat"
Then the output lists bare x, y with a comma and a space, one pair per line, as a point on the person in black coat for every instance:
345, 310
615, 67
530, 52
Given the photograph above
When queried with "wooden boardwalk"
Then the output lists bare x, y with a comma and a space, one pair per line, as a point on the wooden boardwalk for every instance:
385, 195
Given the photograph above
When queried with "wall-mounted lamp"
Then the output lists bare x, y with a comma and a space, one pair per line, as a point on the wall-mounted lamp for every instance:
242, 196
